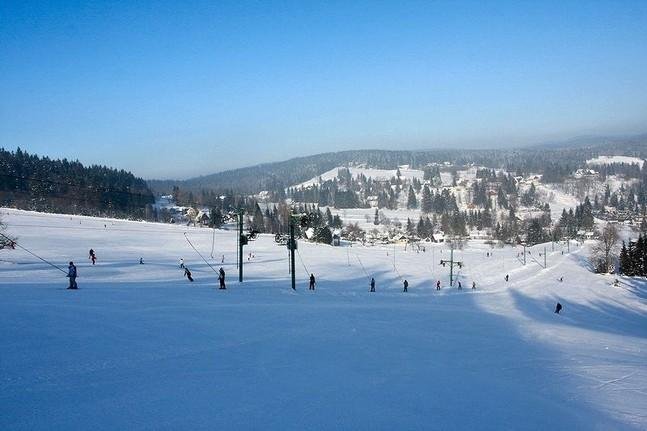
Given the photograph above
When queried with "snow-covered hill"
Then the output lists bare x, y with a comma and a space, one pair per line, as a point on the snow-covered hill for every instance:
139, 347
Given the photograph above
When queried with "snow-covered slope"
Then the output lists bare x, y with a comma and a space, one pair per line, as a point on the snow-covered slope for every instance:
139, 347
607, 160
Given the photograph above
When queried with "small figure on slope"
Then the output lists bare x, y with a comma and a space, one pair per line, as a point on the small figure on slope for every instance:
558, 308
474, 285
182, 263
221, 278
507, 277
187, 273
406, 286
312, 282
141, 260
71, 274
92, 256
438, 285
372, 285
460, 286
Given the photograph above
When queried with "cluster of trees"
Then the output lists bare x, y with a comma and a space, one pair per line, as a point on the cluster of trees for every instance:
633, 257
30, 182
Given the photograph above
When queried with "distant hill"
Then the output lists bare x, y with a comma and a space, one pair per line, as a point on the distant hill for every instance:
280, 175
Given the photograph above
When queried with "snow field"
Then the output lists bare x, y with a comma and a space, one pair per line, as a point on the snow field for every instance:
139, 347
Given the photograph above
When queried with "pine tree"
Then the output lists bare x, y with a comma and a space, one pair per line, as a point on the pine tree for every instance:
426, 202
412, 203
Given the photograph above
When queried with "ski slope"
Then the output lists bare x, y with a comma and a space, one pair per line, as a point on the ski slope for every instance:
139, 347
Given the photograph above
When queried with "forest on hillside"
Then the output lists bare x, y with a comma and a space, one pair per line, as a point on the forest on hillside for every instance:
31, 182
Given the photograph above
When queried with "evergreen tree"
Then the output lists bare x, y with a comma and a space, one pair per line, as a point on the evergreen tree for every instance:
412, 203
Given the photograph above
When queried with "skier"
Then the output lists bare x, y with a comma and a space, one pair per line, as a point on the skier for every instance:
312, 282
558, 308
187, 273
221, 278
406, 286
141, 260
181, 263
372, 285
507, 277
223, 259
71, 273
474, 285
438, 285
460, 286
92, 256
561, 279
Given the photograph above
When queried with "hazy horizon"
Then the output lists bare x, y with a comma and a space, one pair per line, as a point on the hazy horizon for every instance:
170, 92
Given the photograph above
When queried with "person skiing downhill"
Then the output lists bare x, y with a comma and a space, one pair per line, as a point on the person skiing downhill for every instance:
438, 285
221, 278
187, 274
71, 273
372, 285
558, 308
473, 285
460, 286
312, 282
92, 256
406, 286
507, 277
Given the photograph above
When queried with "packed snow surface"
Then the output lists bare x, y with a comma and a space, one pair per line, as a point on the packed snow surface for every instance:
140, 347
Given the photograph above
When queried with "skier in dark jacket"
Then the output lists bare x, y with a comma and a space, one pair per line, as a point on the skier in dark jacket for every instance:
312, 282
438, 285
558, 308
221, 278
507, 277
406, 286
187, 273
372, 285
92, 256
71, 274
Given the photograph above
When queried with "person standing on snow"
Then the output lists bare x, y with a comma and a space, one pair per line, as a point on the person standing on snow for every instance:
312, 282
438, 285
92, 256
558, 308
187, 273
406, 286
71, 274
473, 285
221, 278
182, 263
507, 277
372, 285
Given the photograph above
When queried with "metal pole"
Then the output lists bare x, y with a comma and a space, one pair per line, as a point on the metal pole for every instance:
524, 254
240, 247
292, 247
451, 267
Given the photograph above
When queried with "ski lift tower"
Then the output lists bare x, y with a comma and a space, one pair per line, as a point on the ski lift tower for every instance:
292, 243
242, 241
451, 262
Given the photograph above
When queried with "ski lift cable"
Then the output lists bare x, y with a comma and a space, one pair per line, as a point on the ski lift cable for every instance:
303, 263
196, 250
33, 254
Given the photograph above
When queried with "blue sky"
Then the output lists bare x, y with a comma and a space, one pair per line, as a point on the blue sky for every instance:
178, 89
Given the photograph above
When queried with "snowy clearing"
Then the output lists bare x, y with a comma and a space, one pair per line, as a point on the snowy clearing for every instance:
139, 347
608, 160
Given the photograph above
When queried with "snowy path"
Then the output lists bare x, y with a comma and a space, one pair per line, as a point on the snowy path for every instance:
139, 347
